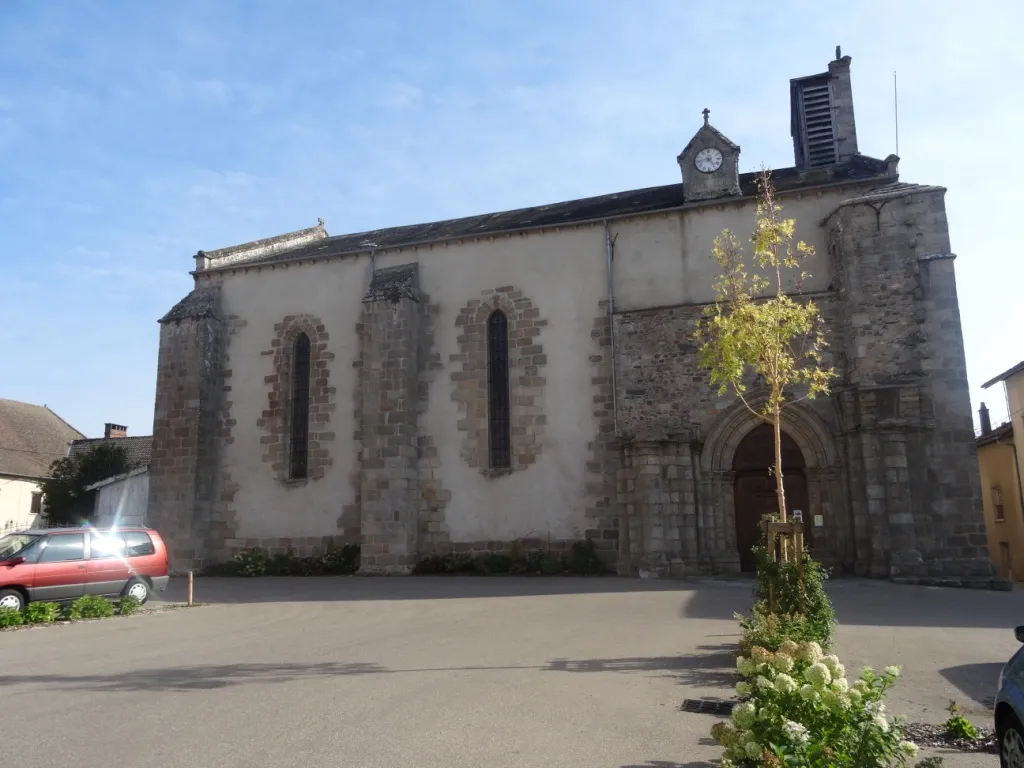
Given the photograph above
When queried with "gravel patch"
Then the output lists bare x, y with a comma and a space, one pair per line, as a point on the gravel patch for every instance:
935, 736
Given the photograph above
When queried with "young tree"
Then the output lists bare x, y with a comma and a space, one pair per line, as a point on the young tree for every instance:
64, 496
756, 330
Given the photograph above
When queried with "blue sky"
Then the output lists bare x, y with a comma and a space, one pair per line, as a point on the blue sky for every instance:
133, 134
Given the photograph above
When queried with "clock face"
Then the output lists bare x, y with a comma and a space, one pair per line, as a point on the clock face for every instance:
708, 160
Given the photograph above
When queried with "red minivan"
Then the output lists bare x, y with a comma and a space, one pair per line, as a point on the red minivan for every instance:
65, 563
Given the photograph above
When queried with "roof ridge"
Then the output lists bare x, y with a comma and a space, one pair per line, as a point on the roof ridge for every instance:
63, 420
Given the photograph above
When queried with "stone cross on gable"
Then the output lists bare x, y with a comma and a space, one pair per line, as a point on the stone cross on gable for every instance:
706, 112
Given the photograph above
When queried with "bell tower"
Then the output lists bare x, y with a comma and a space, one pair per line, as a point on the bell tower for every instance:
710, 164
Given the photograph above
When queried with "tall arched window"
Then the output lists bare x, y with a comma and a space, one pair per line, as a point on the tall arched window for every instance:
498, 427
300, 408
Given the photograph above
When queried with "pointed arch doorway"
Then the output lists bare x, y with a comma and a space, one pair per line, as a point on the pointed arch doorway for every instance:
754, 489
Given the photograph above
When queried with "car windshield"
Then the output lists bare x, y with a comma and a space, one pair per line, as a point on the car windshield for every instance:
13, 543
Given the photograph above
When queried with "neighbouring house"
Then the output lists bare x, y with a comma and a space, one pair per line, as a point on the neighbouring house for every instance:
528, 377
32, 437
121, 499
999, 461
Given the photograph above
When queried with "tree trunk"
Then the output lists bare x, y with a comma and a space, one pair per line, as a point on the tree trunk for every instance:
780, 490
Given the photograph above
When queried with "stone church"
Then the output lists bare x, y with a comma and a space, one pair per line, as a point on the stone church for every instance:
529, 376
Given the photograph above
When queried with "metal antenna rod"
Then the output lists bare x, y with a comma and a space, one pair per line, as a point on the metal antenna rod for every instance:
896, 111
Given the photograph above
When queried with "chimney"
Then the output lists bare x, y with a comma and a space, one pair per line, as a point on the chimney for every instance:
114, 430
821, 116
985, 420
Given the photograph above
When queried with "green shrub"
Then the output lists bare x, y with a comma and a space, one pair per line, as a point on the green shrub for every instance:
88, 607
800, 711
42, 613
432, 565
545, 563
282, 564
795, 595
770, 630
959, 727
127, 605
252, 562
229, 568
11, 618
584, 558
494, 563
340, 560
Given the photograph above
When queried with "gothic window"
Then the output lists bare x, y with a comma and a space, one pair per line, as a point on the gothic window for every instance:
498, 426
300, 408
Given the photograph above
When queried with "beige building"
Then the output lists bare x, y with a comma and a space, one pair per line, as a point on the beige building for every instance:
528, 376
32, 437
1000, 465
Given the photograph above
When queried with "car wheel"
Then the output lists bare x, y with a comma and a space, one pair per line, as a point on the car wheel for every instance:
139, 589
11, 598
1011, 743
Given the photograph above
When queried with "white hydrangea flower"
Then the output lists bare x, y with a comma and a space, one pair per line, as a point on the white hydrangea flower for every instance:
909, 748
753, 750
834, 665
855, 695
745, 666
875, 708
785, 684
743, 689
763, 683
893, 670
797, 732
810, 652
818, 675
743, 714
840, 685
808, 692
789, 648
881, 723
835, 701
782, 663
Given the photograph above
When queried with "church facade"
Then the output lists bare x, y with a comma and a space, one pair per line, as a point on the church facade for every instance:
530, 376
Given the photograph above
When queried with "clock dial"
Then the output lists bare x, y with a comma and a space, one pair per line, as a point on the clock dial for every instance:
708, 160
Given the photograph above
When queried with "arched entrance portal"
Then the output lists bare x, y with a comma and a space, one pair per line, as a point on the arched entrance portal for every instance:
754, 494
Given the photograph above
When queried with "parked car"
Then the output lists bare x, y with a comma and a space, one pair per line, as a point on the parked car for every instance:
1009, 712
64, 563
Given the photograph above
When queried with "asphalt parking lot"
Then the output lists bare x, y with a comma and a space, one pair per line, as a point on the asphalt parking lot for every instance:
453, 672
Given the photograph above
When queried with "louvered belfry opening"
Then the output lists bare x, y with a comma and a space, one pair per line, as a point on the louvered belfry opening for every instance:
816, 122
298, 463
499, 433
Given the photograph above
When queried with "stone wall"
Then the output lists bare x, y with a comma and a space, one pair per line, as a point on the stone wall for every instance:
389, 491
184, 461
913, 468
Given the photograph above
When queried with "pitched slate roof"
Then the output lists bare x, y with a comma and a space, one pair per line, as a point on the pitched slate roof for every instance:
32, 437
139, 449
649, 200
200, 302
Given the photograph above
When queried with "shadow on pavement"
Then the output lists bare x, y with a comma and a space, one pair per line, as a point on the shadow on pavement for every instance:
699, 670
290, 589
978, 681
867, 602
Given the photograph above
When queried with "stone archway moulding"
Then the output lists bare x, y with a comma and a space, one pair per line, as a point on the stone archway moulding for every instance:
800, 423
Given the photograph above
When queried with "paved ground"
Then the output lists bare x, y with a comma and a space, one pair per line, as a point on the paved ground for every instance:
451, 672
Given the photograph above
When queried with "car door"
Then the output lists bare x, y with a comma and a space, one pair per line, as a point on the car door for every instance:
106, 570
60, 570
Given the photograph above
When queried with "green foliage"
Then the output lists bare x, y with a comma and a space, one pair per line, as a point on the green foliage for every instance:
795, 595
755, 330
42, 613
253, 562
64, 495
770, 630
259, 562
582, 560
800, 711
88, 607
957, 726
127, 605
11, 618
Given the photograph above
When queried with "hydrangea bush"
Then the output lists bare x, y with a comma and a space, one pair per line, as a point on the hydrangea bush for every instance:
799, 710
